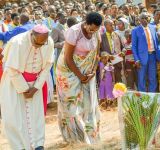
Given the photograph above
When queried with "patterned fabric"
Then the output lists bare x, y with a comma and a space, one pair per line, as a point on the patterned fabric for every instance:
78, 111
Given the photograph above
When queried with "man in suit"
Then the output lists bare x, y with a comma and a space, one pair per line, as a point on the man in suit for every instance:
112, 44
145, 49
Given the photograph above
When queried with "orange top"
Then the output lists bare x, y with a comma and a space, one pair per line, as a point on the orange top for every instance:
7, 22
148, 39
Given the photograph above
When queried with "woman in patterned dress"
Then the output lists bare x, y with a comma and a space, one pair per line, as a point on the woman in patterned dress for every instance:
78, 112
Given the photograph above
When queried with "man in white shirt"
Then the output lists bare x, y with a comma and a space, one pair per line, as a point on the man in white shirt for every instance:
23, 88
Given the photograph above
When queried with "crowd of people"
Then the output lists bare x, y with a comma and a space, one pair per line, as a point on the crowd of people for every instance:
72, 47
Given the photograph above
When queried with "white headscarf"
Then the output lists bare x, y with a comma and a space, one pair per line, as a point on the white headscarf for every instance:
125, 21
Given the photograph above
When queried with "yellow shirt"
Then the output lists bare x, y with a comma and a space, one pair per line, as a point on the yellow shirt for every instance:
109, 37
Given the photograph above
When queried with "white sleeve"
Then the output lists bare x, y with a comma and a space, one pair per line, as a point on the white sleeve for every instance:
18, 80
43, 76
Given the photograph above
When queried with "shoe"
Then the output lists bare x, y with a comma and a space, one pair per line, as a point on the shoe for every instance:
39, 148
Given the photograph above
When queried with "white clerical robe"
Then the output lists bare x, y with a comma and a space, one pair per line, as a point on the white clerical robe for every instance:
23, 119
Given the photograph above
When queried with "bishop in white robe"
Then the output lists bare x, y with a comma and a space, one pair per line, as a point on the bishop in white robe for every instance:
28, 58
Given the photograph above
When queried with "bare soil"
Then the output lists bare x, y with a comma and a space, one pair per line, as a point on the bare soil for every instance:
110, 134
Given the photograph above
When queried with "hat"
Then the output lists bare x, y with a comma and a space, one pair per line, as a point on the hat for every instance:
42, 29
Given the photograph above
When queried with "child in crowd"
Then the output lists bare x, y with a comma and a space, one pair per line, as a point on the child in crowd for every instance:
130, 69
106, 80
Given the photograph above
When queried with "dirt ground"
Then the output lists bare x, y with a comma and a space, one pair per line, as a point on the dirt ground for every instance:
110, 134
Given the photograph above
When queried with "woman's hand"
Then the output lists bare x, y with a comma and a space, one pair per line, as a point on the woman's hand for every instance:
87, 78
69, 51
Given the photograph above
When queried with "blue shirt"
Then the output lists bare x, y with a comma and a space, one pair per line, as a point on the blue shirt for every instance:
6, 36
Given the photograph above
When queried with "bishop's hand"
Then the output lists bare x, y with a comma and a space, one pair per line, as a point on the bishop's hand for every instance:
30, 93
